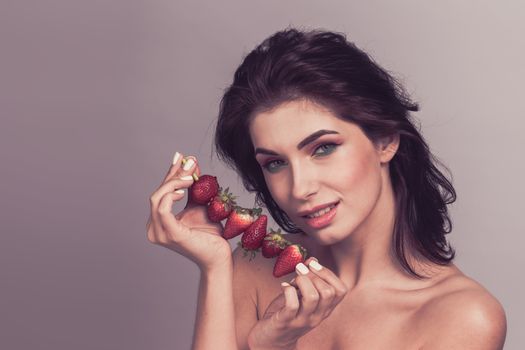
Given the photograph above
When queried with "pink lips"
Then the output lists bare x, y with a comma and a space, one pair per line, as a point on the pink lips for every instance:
323, 220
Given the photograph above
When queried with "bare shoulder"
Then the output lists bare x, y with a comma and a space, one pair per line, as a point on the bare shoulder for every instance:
248, 279
462, 314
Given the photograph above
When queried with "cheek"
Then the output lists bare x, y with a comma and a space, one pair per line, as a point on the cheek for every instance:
360, 180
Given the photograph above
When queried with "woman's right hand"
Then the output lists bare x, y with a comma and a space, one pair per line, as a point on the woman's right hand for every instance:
189, 232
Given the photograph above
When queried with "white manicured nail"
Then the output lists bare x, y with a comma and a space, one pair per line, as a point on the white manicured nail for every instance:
186, 178
315, 265
301, 269
284, 284
176, 157
188, 164
179, 191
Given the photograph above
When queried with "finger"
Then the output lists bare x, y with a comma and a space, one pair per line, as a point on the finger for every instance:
159, 192
181, 166
154, 229
152, 225
155, 232
181, 180
326, 298
176, 164
329, 277
190, 167
196, 170
291, 306
189, 164
309, 294
158, 230
148, 223
178, 183
150, 231
176, 186
172, 229
325, 290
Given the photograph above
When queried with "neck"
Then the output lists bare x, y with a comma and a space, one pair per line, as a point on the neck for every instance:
365, 256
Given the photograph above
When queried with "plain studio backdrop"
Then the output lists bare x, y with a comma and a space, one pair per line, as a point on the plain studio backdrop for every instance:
96, 96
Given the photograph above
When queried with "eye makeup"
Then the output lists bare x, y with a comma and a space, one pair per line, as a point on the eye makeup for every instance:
327, 147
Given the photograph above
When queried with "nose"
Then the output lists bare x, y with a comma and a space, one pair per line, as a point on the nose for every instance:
304, 182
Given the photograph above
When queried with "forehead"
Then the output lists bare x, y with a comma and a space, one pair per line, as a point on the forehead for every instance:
292, 121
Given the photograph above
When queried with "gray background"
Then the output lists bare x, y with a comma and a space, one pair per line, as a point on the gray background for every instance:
96, 96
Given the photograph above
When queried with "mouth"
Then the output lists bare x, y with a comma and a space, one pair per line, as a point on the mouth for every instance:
322, 217
321, 211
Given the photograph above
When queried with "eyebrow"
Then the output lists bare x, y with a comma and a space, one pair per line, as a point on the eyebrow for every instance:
307, 140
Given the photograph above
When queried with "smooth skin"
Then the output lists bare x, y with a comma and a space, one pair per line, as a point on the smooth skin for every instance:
191, 234
359, 299
299, 308
450, 311
384, 307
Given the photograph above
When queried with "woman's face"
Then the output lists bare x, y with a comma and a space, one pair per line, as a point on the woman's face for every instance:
310, 160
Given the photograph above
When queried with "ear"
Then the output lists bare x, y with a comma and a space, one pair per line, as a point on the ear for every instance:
387, 147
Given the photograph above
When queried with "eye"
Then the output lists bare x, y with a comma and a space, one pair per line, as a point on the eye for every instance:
325, 148
269, 165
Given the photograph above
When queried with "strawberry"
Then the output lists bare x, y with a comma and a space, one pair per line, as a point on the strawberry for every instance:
253, 236
289, 257
204, 189
239, 220
220, 207
273, 244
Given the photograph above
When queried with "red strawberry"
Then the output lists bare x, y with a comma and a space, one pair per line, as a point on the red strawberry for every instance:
204, 189
273, 244
220, 207
239, 220
254, 235
289, 257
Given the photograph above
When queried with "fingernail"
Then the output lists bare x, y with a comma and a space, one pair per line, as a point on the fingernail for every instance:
179, 191
284, 284
301, 269
176, 157
315, 265
195, 176
189, 163
186, 178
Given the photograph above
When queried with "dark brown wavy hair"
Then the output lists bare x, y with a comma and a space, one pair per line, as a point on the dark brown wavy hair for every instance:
323, 67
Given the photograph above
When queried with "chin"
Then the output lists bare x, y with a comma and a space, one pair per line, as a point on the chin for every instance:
327, 241
324, 237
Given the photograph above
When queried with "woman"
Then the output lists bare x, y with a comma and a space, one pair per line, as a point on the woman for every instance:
324, 138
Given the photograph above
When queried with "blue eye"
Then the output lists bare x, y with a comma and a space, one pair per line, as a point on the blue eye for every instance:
326, 149
268, 166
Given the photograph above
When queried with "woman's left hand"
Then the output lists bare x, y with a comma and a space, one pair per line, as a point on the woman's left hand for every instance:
296, 312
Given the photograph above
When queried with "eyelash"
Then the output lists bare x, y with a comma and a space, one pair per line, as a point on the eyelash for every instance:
267, 164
